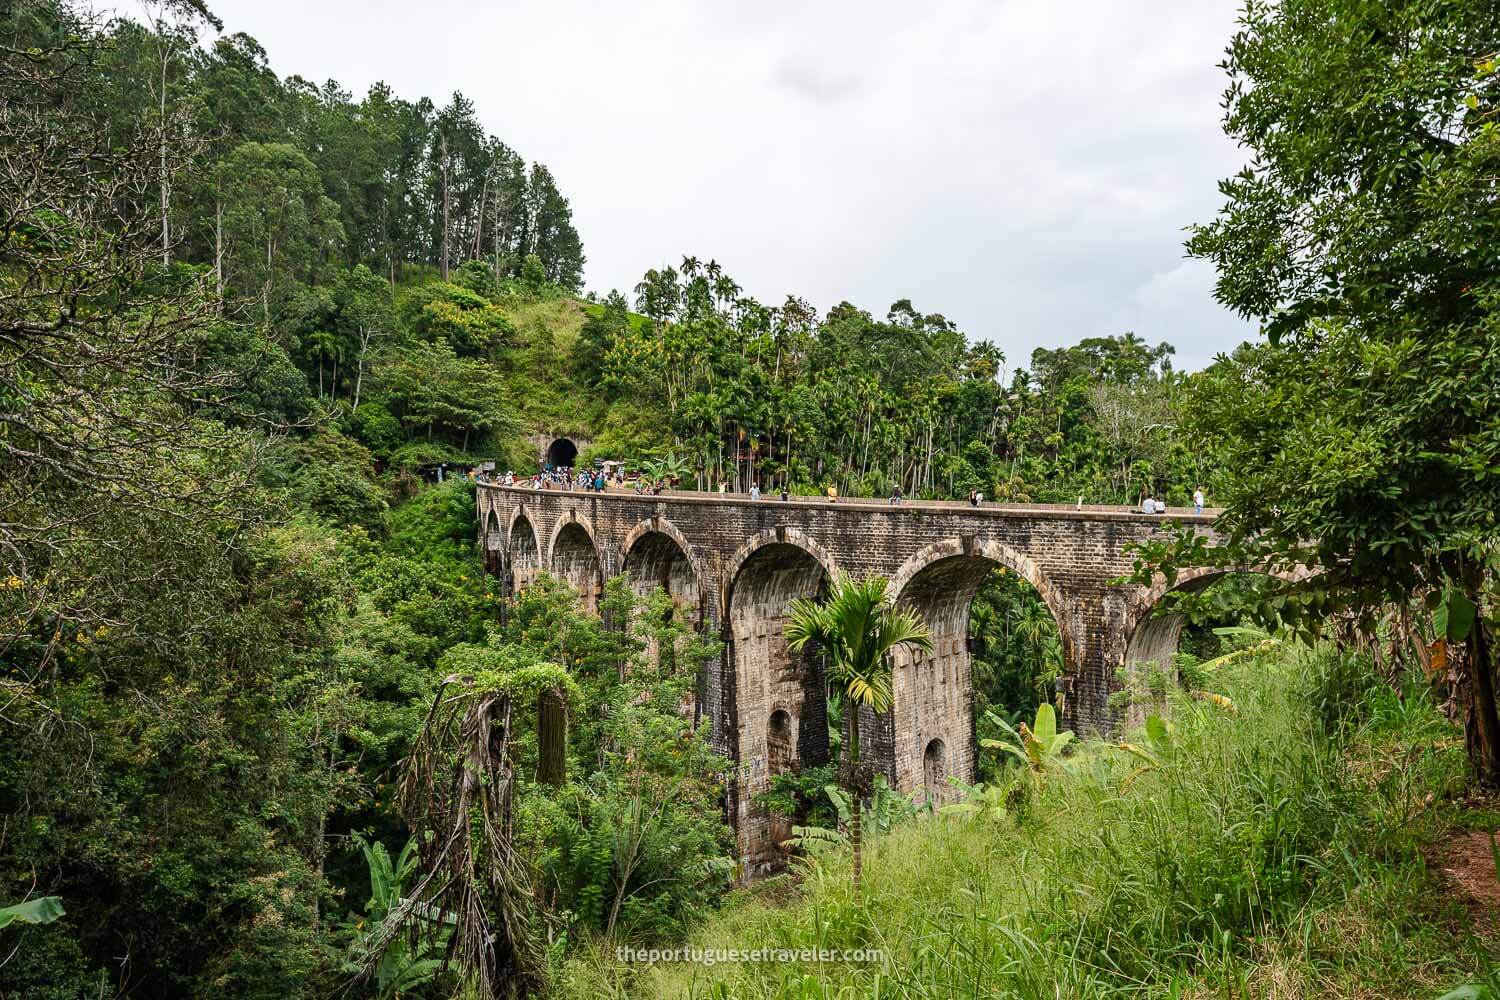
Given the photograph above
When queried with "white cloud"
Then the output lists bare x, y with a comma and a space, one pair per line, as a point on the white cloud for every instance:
1024, 168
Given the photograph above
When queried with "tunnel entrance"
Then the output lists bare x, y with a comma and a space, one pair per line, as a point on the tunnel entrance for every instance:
562, 454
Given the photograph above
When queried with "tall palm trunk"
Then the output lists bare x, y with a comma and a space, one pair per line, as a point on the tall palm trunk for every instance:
855, 806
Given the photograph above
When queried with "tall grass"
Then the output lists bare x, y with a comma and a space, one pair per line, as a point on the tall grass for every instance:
1273, 852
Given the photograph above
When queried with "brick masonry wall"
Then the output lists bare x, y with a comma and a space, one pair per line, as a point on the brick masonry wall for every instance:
740, 561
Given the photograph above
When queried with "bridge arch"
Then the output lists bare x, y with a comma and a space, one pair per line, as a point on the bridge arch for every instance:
1150, 641
779, 535
934, 692
779, 699
523, 550
1148, 638
656, 554
492, 542
574, 555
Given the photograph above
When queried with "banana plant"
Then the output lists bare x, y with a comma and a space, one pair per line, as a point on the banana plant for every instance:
1258, 642
1038, 746
42, 910
1158, 744
887, 807
815, 841
984, 803
403, 966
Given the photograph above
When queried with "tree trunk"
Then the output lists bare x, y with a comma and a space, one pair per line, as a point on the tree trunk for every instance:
359, 369
1482, 730
855, 805
444, 141
219, 244
552, 740
166, 196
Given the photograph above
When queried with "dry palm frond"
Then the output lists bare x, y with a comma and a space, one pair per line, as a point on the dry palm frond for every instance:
455, 795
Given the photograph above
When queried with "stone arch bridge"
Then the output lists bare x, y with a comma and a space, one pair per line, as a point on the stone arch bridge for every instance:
736, 563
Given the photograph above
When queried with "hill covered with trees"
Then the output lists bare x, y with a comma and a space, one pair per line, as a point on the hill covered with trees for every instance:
245, 639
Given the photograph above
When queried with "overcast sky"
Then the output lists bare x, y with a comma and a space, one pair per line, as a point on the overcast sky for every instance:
1024, 167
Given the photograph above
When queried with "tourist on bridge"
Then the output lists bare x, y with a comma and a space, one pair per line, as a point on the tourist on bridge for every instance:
896, 495
755, 491
833, 493
1198, 500
1148, 505
785, 494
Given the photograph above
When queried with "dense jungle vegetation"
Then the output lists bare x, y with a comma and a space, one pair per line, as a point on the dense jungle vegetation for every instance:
243, 632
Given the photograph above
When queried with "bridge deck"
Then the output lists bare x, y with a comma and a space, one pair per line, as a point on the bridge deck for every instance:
1087, 512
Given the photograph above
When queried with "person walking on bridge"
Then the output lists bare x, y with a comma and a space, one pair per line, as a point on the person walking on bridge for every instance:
1198, 500
833, 493
755, 491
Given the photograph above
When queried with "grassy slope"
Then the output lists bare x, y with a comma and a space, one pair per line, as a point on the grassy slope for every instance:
552, 400
1260, 860
541, 372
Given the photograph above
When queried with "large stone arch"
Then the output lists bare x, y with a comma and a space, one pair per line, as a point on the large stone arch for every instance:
518, 512
656, 554
934, 692
1145, 638
523, 550
764, 577
781, 534
574, 555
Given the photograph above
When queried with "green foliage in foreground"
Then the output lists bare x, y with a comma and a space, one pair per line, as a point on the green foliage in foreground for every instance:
1265, 855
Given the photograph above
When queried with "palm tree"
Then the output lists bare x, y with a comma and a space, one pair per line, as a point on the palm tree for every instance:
858, 628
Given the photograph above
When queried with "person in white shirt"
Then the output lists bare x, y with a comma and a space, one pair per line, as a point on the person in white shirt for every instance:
1148, 505
1198, 500
755, 491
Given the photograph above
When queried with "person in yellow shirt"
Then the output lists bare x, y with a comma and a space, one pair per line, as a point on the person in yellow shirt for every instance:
833, 493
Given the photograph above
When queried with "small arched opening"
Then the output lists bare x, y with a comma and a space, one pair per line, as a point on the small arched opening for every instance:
935, 770
562, 454
781, 758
